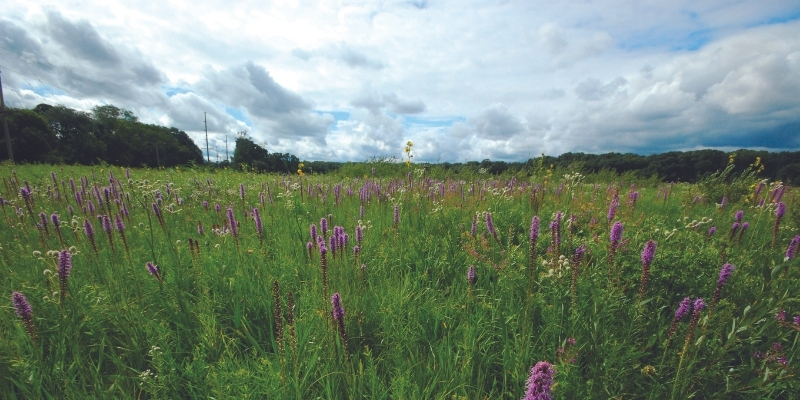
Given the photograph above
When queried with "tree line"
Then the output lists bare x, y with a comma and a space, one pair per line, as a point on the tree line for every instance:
109, 134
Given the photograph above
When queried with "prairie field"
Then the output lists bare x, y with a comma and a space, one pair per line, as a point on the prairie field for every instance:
395, 283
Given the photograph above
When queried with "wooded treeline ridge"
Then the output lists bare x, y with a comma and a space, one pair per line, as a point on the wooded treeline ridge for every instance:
61, 135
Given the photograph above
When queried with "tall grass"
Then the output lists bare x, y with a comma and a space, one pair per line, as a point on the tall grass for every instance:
217, 320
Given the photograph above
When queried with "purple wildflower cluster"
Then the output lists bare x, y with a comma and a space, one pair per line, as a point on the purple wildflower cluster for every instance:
774, 355
24, 311
539, 382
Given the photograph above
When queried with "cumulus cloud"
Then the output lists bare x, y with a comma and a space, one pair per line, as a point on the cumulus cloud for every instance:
279, 112
375, 102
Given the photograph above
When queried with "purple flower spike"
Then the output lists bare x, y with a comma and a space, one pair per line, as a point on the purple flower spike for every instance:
323, 226
738, 216
153, 270
338, 311
232, 223
118, 222
792, 250
472, 277
711, 231
699, 305
683, 308
780, 210
616, 234
88, 229
534, 235
490, 225
725, 273
23, 309
649, 252
539, 382
54, 218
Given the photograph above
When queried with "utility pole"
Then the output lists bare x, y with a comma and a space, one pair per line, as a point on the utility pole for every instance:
208, 155
5, 123
226, 149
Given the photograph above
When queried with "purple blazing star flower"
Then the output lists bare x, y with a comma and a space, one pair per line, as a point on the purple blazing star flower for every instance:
338, 311
616, 234
323, 226
54, 218
738, 216
490, 225
539, 382
780, 210
474, 228
88, 229
683, 308
472, 277
711, 231
725, 273
792, 250
119, 224
23, 309
153, 270
232, 223
534, 234
649, 252
313, 230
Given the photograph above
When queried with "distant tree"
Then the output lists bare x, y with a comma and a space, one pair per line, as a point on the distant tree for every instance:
32, 140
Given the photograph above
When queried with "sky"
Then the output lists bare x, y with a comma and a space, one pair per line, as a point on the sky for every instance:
342, 80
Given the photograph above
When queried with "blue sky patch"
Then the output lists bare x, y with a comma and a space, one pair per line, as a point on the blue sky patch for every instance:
239, 113
172, 91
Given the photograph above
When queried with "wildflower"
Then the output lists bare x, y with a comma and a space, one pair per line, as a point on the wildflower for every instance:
338, 316
576, 263
153, 270
781, 315
474, 225
724, 274
490, 226
323, 226
743, 228
699, 305
648, 254
200, 230
259, 224
615, 237
683, 309
792, 250
278, 314
539, 382
24, 311
88, 230
711, 231
612, 207
64, 267
779, 211
738, 216
555, 232
396, 216
232, 223
472, 277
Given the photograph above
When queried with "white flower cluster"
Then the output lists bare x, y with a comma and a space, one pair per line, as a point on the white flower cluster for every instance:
557, 268
695, 223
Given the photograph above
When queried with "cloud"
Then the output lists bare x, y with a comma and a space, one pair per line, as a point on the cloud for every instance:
81, 39
375, 102
592, 89
341, 52
278, 112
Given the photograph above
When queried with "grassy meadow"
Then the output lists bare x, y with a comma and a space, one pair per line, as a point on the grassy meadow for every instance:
182, 283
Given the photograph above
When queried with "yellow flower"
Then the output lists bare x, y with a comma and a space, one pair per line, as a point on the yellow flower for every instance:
410, 144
